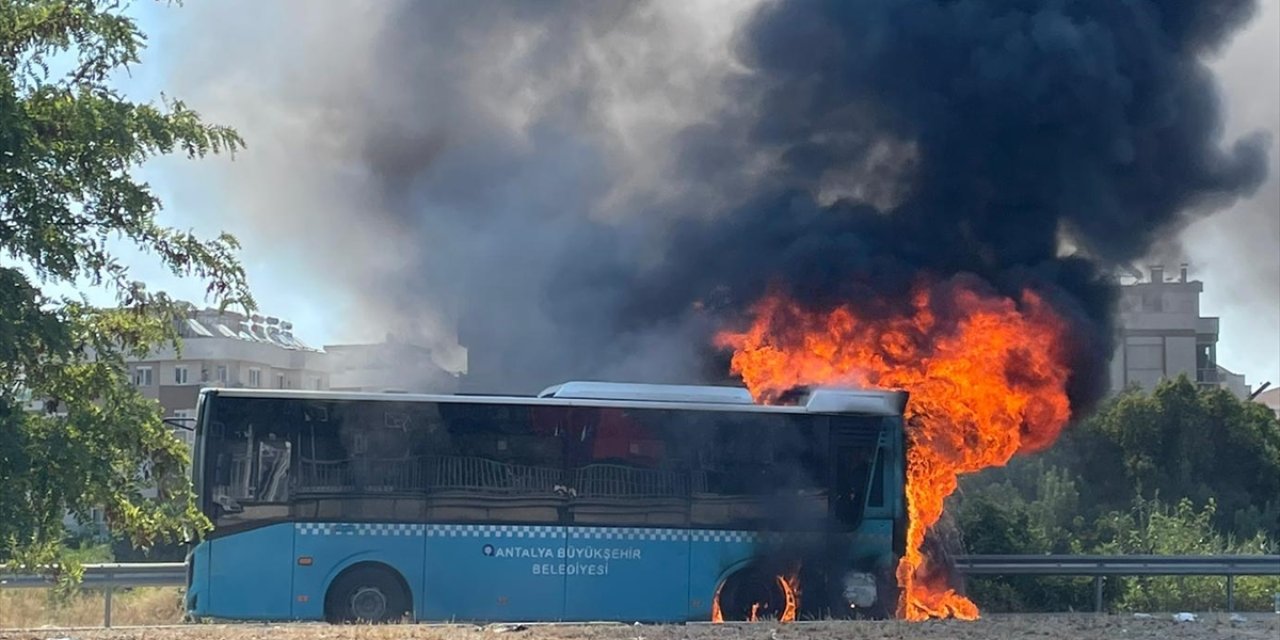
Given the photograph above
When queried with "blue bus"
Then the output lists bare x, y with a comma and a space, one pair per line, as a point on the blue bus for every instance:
588, 502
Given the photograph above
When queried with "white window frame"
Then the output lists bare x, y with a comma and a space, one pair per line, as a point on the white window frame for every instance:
223, 373
181, 374
142, 377
255, 377
281, 381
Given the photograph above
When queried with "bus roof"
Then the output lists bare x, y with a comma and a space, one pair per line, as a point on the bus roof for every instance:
628, 396
649, 392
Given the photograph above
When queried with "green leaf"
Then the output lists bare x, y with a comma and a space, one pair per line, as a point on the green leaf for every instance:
69, 146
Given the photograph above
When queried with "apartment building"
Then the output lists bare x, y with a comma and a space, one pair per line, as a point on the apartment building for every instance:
1163, 335
227, 349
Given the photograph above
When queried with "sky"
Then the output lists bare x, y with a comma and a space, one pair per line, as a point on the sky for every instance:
1243, 293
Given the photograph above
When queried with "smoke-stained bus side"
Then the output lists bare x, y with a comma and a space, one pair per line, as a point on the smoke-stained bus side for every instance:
332, 508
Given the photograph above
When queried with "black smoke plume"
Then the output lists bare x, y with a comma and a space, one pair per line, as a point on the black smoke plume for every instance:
963, 137
589, 189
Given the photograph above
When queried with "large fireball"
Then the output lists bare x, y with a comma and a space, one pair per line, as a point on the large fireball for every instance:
986, 376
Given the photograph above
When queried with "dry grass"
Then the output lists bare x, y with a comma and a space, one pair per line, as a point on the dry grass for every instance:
1047, 627
30, 608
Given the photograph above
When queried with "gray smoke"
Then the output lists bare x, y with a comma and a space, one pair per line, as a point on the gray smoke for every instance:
1237, 253
570, 186
444, 164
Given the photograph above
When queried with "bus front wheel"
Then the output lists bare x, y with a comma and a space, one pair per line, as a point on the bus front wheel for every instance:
367, 593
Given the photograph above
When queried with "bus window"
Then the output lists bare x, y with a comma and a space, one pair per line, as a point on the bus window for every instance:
365, 447
758, 471
627, 467
501, 465
852, 469
251, 447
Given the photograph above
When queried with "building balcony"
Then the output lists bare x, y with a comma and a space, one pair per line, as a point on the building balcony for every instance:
1207, 327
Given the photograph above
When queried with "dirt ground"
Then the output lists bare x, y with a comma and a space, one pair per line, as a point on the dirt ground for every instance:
1044, 627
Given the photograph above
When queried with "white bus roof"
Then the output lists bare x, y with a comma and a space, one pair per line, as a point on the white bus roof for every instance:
822, 400
648, 392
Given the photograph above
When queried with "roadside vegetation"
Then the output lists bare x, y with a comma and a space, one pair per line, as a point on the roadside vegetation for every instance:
33, 608
1179, 471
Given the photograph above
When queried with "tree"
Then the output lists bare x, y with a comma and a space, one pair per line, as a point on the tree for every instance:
1176, 470
1183, 442
68, 143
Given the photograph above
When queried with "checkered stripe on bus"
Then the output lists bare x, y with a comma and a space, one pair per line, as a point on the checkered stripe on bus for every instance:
676, 535
535, 532
493, 531
357, 529
771, 537
627, 533
719, 535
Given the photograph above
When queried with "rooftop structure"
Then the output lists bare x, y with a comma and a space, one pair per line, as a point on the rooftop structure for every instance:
1163, 335
227, 349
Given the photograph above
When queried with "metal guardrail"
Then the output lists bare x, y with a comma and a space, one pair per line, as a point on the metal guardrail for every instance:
108, 577
1099, 567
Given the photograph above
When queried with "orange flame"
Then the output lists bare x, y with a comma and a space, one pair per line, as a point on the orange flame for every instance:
987, 380
788, 585
791, 593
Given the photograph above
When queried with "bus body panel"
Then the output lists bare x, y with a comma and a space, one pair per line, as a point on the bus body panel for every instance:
504, 572
872, 543
626, 573
493, 572
333, 547
197, 595
251, 574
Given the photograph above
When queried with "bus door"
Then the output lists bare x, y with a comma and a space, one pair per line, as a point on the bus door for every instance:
855, 445
627, 553
858, 448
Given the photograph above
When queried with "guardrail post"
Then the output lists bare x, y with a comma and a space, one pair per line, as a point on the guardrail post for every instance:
1097, 594
1231, 593
106, 602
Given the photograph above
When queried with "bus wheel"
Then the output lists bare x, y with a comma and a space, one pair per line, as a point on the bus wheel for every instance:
369, 593
753, 594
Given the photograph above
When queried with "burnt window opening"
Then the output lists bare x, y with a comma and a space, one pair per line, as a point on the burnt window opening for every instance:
876, 497
406, 461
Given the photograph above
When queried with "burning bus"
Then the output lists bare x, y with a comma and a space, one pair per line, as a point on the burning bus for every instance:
590, 501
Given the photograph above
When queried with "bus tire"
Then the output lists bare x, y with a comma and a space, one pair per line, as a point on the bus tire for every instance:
369, 593
748, 589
